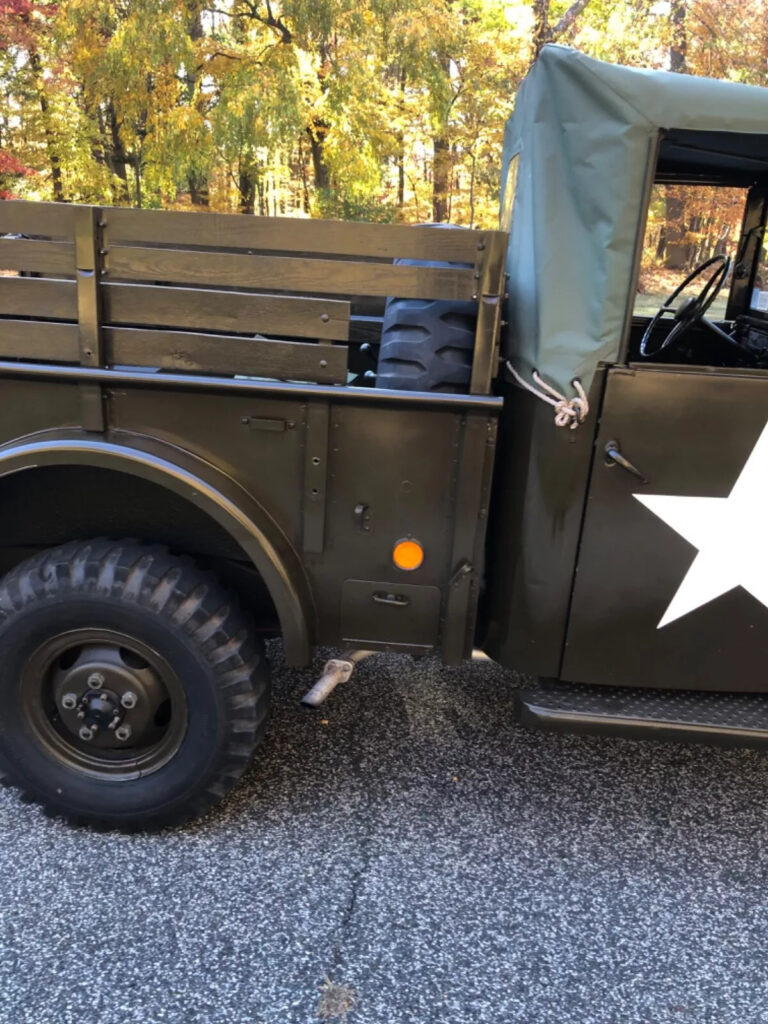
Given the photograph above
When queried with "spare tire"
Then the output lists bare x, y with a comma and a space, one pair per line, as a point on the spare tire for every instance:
427, 345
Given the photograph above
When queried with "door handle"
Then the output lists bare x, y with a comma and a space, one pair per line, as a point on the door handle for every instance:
395, 599
613, 457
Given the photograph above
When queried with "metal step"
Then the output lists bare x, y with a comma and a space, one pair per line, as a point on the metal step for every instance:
725, 719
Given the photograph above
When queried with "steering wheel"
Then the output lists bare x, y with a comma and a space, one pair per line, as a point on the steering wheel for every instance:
692, 309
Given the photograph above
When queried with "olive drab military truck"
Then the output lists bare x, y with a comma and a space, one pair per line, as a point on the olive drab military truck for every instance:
391, 438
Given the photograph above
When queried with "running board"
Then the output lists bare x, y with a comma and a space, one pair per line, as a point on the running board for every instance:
725, 719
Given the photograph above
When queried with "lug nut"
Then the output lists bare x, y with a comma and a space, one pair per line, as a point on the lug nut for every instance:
81, 713
86, 733
129, 700
96, 680
69, 701
123, 732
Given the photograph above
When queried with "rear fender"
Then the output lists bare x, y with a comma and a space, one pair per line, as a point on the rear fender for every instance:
204, 486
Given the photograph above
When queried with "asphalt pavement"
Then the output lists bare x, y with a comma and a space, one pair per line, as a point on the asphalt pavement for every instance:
407, 855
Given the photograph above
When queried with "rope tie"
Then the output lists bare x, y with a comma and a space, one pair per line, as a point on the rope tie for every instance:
569, 412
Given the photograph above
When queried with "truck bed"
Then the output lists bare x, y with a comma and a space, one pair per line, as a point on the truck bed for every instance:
216, 349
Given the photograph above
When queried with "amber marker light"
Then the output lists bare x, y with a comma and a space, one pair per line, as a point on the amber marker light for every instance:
408, 554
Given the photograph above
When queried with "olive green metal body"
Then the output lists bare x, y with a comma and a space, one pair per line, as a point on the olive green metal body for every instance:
149, 411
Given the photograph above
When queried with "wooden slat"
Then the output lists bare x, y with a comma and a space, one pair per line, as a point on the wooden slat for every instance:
291, 234
38, 257
250, 357
179, 350
236, 312
283, 273
51, 220
38, 297
36, 339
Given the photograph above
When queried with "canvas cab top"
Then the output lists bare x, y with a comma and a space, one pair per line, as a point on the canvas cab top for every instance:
582, 150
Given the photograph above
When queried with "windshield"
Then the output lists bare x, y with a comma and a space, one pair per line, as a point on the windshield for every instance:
687, 224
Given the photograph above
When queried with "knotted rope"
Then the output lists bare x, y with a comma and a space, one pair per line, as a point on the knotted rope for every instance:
569, 412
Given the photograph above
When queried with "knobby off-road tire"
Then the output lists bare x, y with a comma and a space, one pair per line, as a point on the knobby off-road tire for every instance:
427, 345
115, 638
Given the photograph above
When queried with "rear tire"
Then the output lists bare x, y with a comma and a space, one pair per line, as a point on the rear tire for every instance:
133, 689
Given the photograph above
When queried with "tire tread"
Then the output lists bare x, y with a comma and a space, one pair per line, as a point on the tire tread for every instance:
192, 601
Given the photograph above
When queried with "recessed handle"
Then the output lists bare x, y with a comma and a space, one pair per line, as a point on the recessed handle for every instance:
393, 599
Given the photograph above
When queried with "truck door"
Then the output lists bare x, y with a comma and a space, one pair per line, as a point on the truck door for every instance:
671, 588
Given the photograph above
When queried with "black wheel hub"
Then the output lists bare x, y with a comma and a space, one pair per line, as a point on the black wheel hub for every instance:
100, 709
109, 691
104, 702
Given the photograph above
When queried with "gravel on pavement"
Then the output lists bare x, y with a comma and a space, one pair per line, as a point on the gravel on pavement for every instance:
407, 854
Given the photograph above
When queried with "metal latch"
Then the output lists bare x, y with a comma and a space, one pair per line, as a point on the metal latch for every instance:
464, 569
363, 517
613, 457
263, 423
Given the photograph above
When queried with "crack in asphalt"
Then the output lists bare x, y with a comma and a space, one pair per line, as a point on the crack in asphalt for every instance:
365, 819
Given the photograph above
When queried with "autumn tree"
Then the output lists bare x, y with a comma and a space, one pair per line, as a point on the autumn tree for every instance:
372, 109
24, 26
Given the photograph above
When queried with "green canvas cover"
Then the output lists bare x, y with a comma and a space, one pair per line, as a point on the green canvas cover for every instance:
584, 133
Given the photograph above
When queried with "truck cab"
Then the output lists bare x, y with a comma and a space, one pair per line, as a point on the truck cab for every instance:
609, 572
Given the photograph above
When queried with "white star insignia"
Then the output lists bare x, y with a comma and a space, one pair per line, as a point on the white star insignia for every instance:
731, 552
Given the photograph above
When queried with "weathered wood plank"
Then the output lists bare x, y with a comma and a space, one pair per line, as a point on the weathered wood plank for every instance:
205, 353
38, 297
179, 350
37, 257
38, 339
235, 312
283, 273
51, 220
292, 234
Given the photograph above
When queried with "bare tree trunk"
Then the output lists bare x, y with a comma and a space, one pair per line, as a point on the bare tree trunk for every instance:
676, 249
304, 176
472, 175
678, 48
137, 176
442, 160
542, 33
198, 189
50, 138
441, 178
197, 179
661, 244
317, 132
318, 129
115, 156
247, 192
246, 187
401, 148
